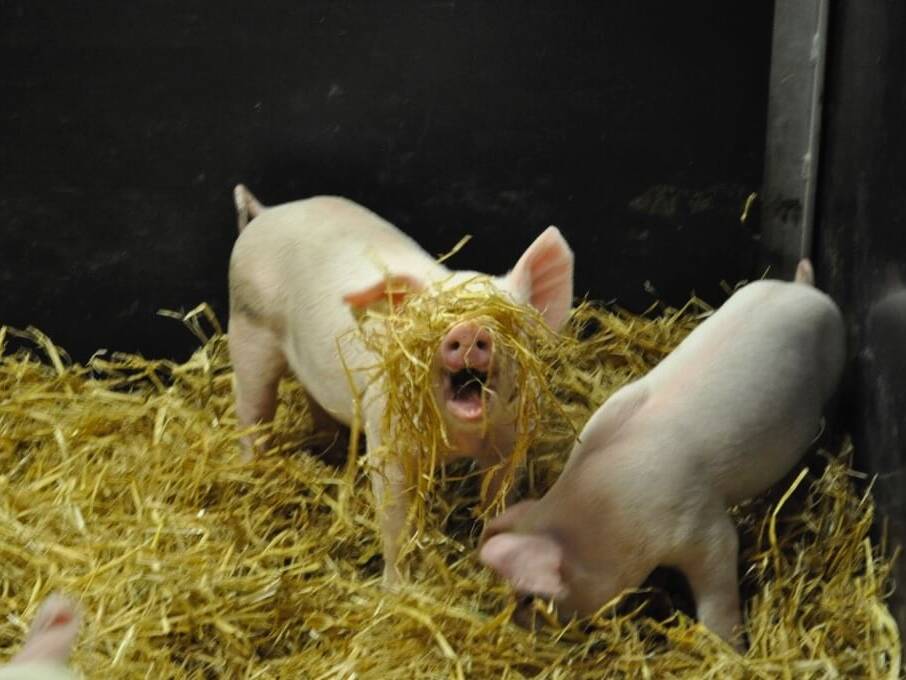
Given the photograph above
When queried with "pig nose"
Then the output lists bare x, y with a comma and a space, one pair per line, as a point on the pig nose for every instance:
467, 345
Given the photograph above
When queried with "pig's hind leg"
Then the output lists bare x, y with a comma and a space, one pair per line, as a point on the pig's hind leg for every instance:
258, 363
709, 563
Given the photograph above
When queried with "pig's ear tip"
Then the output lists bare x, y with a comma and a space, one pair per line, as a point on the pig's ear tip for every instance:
492, 549
552, 235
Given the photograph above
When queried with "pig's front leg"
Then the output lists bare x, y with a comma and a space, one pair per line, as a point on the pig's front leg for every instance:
391, 501
391, 498
258, 365
497, 465
710, 566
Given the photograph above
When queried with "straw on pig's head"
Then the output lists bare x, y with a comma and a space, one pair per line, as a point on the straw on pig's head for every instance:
456, 358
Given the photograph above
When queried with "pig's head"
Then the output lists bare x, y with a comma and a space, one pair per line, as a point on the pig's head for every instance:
472, 377
472, 373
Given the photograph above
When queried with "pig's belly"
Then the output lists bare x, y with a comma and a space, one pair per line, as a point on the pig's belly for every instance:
747, 472
320, 371
338, 403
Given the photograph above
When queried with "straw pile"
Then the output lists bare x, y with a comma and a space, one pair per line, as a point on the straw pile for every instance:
121, 484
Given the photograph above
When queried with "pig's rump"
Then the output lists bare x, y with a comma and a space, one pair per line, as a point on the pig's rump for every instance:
746, 389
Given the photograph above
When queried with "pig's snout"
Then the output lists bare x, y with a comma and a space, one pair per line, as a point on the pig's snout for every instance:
467, 345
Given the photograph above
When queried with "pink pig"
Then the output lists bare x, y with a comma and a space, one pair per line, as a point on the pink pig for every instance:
48, 645
299, 270
721, 419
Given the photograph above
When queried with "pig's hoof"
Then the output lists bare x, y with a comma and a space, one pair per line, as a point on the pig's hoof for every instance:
249, 448
392, 580
738, 643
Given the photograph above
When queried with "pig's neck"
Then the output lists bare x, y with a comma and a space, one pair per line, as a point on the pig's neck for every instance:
603, 510
579, 508
467, 445
493, 443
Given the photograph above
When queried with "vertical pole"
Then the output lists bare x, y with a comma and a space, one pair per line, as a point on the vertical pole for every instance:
793, 132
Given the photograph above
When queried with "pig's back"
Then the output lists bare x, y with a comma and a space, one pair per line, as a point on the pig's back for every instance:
325, 242
292, 266
745, 391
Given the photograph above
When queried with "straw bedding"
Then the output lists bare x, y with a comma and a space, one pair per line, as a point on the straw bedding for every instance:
121, 484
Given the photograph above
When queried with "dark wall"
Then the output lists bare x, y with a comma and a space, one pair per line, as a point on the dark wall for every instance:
861, 241
637, 127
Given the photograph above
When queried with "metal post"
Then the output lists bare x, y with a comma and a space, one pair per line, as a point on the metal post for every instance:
793, 132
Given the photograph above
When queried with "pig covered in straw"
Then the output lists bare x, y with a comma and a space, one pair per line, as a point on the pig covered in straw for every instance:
299, 274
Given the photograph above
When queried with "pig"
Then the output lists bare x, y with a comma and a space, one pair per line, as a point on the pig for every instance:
48, 644
722, 418
300, 270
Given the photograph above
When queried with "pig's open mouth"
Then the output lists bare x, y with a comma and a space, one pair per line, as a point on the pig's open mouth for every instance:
463, 393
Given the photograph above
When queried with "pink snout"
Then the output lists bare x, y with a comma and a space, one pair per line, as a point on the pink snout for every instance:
467, 345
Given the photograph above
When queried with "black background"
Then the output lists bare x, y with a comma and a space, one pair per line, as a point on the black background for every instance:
636, 127
860, 245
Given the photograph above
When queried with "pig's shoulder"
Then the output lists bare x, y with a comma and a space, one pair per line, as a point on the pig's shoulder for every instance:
614, 413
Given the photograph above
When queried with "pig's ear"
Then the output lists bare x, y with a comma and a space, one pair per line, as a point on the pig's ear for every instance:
52, 633
396, 287
532, 563
543, 276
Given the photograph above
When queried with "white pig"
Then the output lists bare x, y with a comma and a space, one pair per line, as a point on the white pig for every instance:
297, 272
48, 644
726, 415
